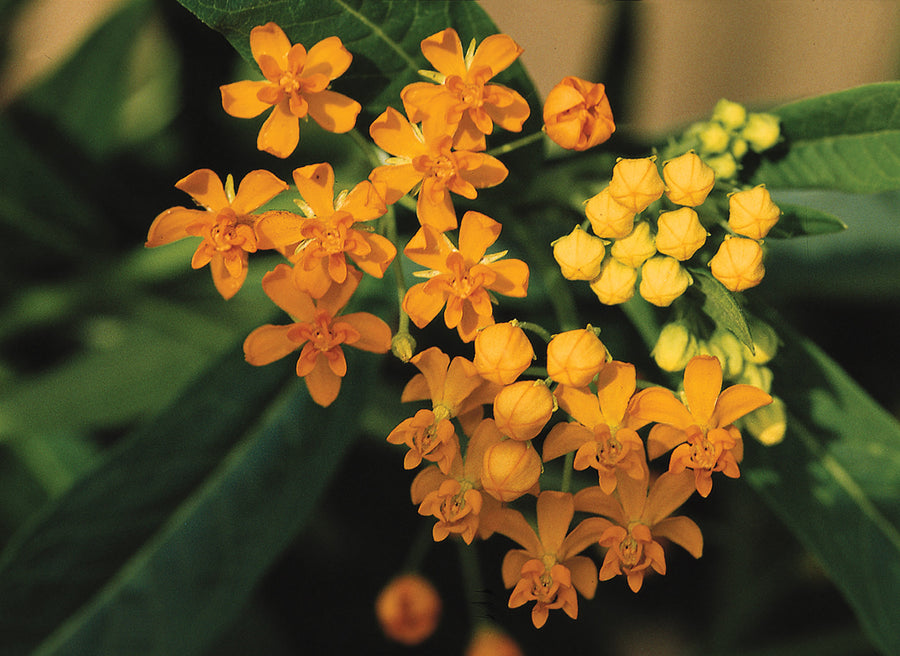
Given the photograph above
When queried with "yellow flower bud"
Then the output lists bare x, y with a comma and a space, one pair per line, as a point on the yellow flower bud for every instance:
675, 347
616, 282
730, 352
408, 609
738, 263
634, 249
762, 131
767, 424
724, 166
608, 218
636, 183
765, 342
688, 180
403, 346
679, 233
757, 375
575, 357
502, 353
579, 255
713, 138
663, 279
510, 468
522, 409
738, 148
752, 213
730, 114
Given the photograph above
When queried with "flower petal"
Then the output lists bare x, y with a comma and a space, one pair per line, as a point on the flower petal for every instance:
509, 109
554, 514
434, 365
663, 438
225, 279
736, 401
268, 343
240, 99
323, 384
316, 184
489, 172
421, 306
278, 229
702, 384
666, 495
497, 52
659, 405
584, 574
206, 188
395, 135
434, 206
333, 111
381, 253
269, 39
375, 334
512, 278
279, 286
338, 295
363, 202
444, 51
429, 248
477, 232
683, 531
615, 386
395, 180
256, 189
280, 133
580, 404
328, 57
170, 225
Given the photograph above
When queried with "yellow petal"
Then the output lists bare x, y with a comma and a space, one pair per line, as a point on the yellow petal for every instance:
554, 514
280, 133
702, 384
333, 111
206, 188
615, 386
256, 189
269, 39
240, 99
444, 51
580, 404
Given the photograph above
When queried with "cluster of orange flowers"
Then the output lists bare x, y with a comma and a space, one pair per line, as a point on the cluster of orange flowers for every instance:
476, 466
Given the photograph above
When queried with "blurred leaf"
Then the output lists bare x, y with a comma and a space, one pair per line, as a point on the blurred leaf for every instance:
720, 305
800, 221
834, 482
848, 140
156, 550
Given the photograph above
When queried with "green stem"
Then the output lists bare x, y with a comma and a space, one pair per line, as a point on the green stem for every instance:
521, 142
366, 147
568, 463
538, 330
471, 578
390, 231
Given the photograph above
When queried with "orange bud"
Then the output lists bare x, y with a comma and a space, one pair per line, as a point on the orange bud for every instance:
491, 641
663, 279
502, 353
510, 469
575, 357
752, 213
634, 249
636, 183
408, 609
521, 410
579, 255
738, 263
615, 284
679, 233
688, 180
608, 218
577, 115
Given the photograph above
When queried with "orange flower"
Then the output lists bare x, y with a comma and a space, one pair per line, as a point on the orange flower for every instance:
318, 331
491, 641
226, 225
461, 278
548, 570
318, 245
295, 87
700, 430
426, 157
636, 520
577, 115
408, 609
604, 431
463, 95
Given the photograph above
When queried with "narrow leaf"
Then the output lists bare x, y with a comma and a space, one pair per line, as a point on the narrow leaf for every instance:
719, 304
800, 221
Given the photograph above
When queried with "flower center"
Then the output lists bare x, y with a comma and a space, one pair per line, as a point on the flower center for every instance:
704, 454
227, 233
288, 83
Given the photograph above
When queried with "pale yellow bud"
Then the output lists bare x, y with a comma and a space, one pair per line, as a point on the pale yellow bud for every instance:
724, 166
713, 138
738, 148
616, 282
688, 180
767, 424
403, 346
730, 114
636, 183
675, 347
579, 255
679, 233
732, 352
752, 213
608, 218
663, 279
762, 131
738, 263
765, 342
757, 375
634, 249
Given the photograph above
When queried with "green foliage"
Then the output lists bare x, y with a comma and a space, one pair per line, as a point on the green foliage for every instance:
801, 221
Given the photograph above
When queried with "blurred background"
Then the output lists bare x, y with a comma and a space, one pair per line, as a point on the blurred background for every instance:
104, 104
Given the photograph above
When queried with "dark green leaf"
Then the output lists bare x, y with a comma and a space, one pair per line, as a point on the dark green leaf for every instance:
719, 304
834, 482
156, 550
848, 140
800, 221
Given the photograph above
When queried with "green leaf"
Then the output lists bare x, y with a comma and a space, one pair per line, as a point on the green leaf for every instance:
720, 305
156, 550
834, 482
800, 221
848, 141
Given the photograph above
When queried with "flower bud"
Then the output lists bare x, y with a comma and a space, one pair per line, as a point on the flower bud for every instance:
765, 342
757, 375
675, 347
502, 353
713, 138
731, 350
738, 264
762, 131
491, 641
724, 166
522, 409
510, 468
579, 255
688, 179
634, 249
616, 282
679, 233
608, 218
738, 148
767, 424
403, 346
663, 279
636, 183
575, 357
408, 609
730, 114
577, 115
752, 213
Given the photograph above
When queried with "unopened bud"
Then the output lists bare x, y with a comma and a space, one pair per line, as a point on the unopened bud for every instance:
752, 213
663, 279
403, 346
575, 357
738, 264
522, 409
616, 282
762, 131
609, 219
713, 138
688, 179
502, 353
675, 347
679, 233
636, 183
765, 342
491, 641
634, 249
510, 468
408, 609
767, 424
724, 166
579, 255
577, 115
757, 375
730, 114
732, 352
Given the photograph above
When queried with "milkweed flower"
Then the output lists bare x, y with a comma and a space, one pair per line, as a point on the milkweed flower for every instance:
752, 213
548, 569
296, 86
636, 183
408, 609
701, 429
461, 278
575, 357
679, 233
319, 331
577, 115
225, 224
633, 520
463, 98
502, 352
604, 433
688, 179
426, 157
318, 244
738, 264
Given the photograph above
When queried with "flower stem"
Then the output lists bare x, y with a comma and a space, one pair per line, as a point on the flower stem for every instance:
521, 142
540, 331
471, 578
567, 472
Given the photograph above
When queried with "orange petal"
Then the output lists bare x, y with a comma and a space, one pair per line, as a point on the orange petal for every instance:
435, 207
170, 225
564, 438
596, 501
662, 439
333, 111
497, 52
580, 404
228, 283
513, 525
511, 569
240, 98
395, 180
632, 493
256, 189
486, 435
615, 386
375, 334
206, 188
316, 184
395, 135
702, 384
489, 173
512, 278
381, 254
421, 306
338, 295
468, 137
587, 532
315, 280
279, 286
323, 384
584, 574
444, 51
477, 232
660, 405
554, 514
421, 101
683, 531
429, 248
280, 133
278, 229
363, 202
269, 39
509, 109
328, 57
434, 364
268, 343
736, 401
666, 495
